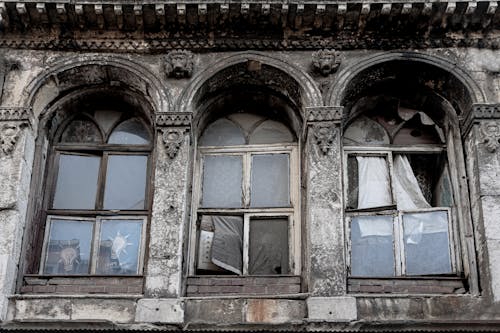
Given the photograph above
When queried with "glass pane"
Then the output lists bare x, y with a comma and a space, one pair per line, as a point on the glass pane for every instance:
68, 248
119, 247
107, 118
76, 182
81, 131
246, 121
222, 176
271, 131
130, 132
270, 181
222, 132
365, 131
125, 182
268, 248
372, 252
427, 243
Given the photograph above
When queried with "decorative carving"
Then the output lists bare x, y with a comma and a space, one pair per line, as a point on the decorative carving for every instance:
324, 113
16, 114
173, 119
173, 138
179, 64
490, 135
324, 135
326, 62
477, 113
9, 135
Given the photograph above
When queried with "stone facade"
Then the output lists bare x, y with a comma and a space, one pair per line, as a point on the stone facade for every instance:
316, 64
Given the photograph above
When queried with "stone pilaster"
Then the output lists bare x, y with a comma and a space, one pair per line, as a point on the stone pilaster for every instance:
481, 133
325, 226
16, 160
164, 264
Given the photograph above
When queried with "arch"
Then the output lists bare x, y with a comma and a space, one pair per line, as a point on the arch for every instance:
310, 94
336, 94
132, 74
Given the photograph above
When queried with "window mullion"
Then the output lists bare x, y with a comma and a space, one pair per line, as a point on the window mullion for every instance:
95, 244
399, 244
247, 161
246, 245
101, 182
391, 176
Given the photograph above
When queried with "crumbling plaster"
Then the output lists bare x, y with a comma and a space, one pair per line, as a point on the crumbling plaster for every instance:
33, 85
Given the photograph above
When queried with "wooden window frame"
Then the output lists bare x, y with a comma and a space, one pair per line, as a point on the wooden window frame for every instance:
97, 223
101, 150
388, 151
246, 212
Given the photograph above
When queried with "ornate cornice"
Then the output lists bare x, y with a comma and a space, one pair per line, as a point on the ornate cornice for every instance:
324, 113
16, 114
477, 113
160, 44
173, 119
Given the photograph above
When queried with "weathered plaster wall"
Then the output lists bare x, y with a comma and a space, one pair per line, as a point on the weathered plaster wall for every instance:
324, 264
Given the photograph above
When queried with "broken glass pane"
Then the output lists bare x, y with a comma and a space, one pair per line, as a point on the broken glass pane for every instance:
270, 180
427, 244
222, 176
76, 186
372, 252
125, 182
68, 247
130, 132
268, 248
81, 131
222, 132
119, 247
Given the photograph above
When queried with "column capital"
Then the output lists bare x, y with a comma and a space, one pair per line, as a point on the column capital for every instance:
477, 113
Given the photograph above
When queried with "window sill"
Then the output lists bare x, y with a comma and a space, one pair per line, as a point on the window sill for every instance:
82, 284
215, 285
407, 285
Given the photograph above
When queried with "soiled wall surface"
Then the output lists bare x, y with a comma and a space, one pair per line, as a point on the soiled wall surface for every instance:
324, 301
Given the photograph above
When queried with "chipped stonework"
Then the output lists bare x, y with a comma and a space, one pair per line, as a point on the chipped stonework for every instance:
164, 262
490, 135
324, 214
9, 135
326, 62
179, 64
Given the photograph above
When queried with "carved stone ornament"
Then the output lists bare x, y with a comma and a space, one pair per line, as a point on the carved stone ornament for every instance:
173, 139
324, 113
326, 62
179, 64
173, 119
9, 135
490, 135
324, 136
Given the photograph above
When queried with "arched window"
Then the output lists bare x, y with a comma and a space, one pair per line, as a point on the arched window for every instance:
399, 195
96, 196
246, 198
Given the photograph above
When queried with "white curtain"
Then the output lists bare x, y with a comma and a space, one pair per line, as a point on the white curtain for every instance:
408, 193
373, 180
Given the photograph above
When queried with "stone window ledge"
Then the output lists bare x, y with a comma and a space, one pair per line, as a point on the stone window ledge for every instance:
63, 284
406, 285
211, 285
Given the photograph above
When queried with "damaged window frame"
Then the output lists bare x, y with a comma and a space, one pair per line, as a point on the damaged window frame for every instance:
98, 213
388, 151
291, 212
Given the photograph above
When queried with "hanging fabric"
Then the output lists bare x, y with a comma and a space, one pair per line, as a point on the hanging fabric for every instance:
408, 193
374, 184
